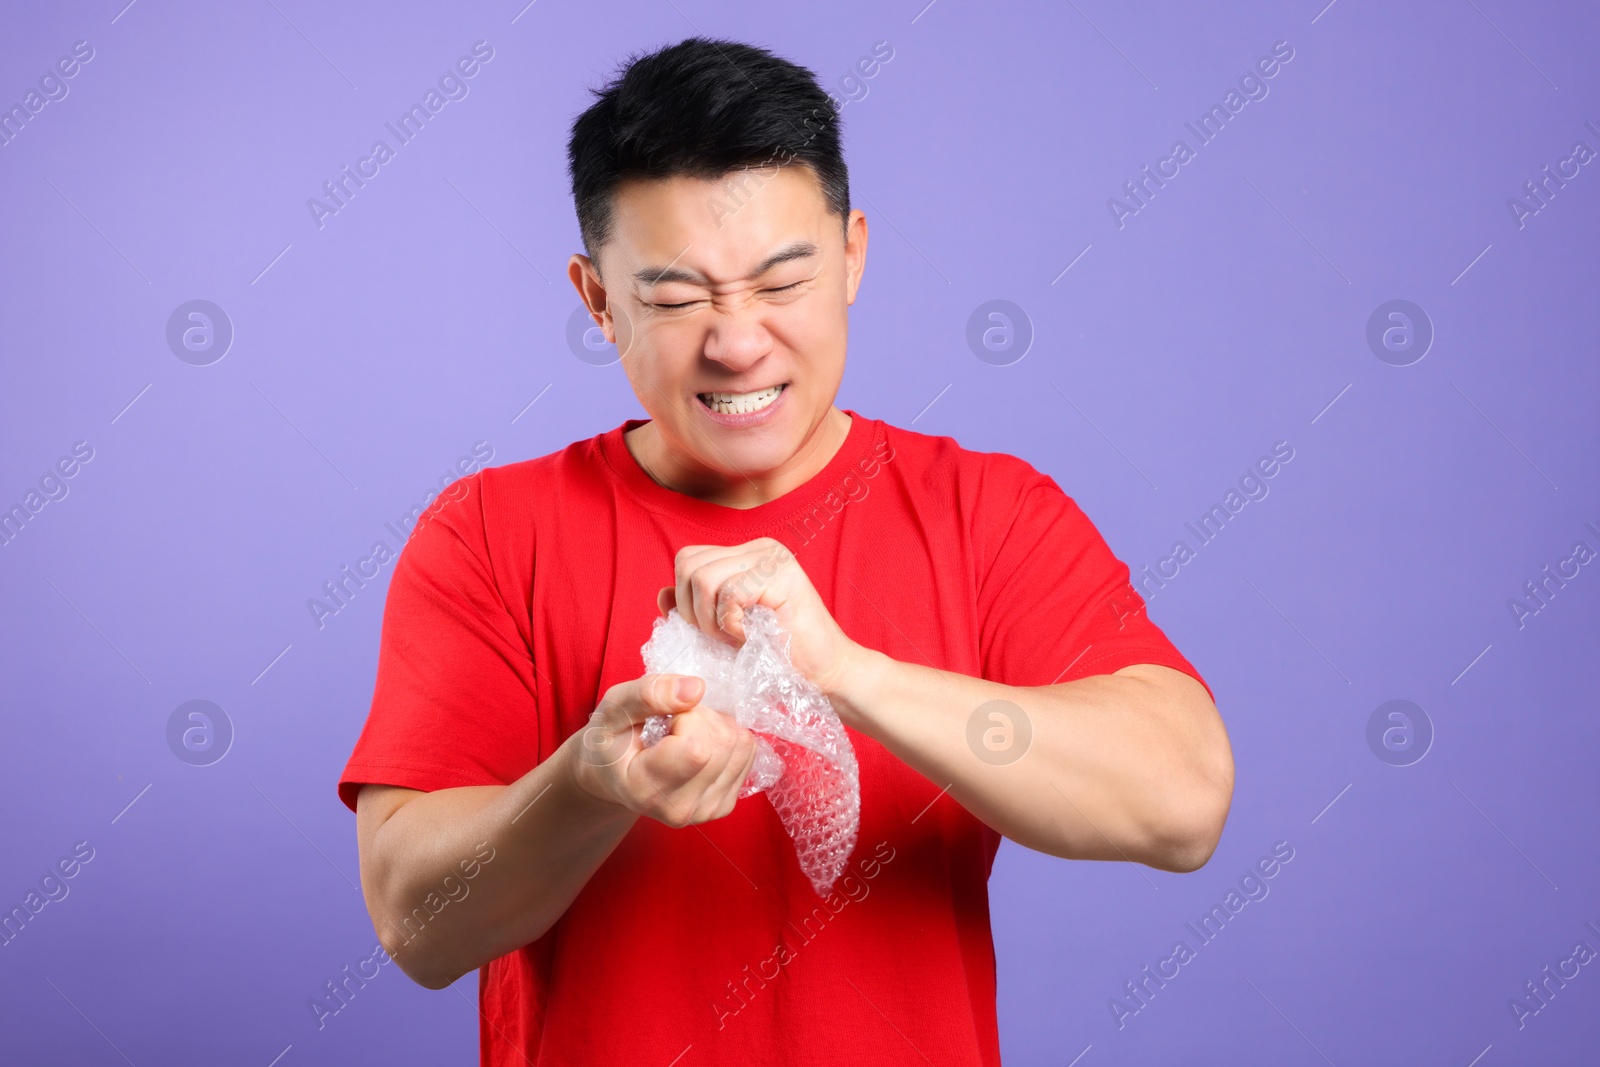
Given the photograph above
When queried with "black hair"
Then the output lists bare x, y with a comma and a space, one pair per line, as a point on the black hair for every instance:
701, 108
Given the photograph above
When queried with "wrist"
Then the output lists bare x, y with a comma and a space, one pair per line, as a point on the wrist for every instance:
853, 689
580, 769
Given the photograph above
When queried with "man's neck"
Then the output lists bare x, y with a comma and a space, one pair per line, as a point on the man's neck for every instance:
666, 467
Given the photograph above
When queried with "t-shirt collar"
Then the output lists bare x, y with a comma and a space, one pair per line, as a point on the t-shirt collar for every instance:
745, 523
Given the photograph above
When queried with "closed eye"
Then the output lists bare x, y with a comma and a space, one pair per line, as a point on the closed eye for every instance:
691, 303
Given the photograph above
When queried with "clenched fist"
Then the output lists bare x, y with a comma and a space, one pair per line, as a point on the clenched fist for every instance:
715, 584
690, 776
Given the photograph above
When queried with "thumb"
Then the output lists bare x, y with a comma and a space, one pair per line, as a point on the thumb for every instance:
670, 694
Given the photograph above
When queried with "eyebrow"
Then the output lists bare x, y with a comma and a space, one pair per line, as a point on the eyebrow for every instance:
670, 273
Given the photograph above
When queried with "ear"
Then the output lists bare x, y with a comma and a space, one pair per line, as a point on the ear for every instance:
855, 253
585, 278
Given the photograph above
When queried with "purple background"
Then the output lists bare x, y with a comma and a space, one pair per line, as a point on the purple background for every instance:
1228, 314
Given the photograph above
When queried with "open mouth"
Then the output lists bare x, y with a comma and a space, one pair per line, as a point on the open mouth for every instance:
741, 403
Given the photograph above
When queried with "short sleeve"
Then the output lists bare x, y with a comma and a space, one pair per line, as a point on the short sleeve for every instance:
1056, 605
455, 701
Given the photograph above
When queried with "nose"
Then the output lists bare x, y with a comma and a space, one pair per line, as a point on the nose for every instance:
737, 338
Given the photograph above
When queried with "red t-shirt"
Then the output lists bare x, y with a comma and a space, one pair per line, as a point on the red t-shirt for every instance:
527, 590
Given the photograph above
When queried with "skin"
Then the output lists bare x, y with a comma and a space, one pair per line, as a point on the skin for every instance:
1132, 766
718, 322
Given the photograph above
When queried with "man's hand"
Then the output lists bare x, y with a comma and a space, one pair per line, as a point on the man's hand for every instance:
690, 776
715, 584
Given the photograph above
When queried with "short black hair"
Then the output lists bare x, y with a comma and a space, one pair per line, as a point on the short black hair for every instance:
701, 108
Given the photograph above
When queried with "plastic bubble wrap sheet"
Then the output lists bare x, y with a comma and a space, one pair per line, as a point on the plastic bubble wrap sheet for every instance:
804, 760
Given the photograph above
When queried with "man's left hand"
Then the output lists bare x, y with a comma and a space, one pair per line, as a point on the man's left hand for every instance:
716, 583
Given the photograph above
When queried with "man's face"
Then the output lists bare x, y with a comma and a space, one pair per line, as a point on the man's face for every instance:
728, 301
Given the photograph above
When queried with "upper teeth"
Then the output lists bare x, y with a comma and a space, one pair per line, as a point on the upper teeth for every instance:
741, 403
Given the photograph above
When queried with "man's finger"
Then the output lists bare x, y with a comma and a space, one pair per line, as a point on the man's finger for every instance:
694, 567
711, 587
730, 614
665, 694
741, 758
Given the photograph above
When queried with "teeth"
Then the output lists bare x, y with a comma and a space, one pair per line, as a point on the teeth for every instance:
740, 403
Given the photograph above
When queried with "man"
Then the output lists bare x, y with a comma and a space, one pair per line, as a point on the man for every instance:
995, 669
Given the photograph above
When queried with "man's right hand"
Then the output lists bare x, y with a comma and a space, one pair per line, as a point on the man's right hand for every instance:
692, 775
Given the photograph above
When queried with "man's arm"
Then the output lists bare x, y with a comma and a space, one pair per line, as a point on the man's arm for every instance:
412, 844
1133, 765
456, 877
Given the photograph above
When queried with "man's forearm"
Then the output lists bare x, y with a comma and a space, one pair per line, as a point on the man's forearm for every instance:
1133, 765
548, 837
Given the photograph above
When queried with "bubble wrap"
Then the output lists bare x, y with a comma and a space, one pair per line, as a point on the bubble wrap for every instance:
804, 760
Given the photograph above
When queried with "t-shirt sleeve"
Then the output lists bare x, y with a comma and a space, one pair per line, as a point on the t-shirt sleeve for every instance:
1056, 605
455, 701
